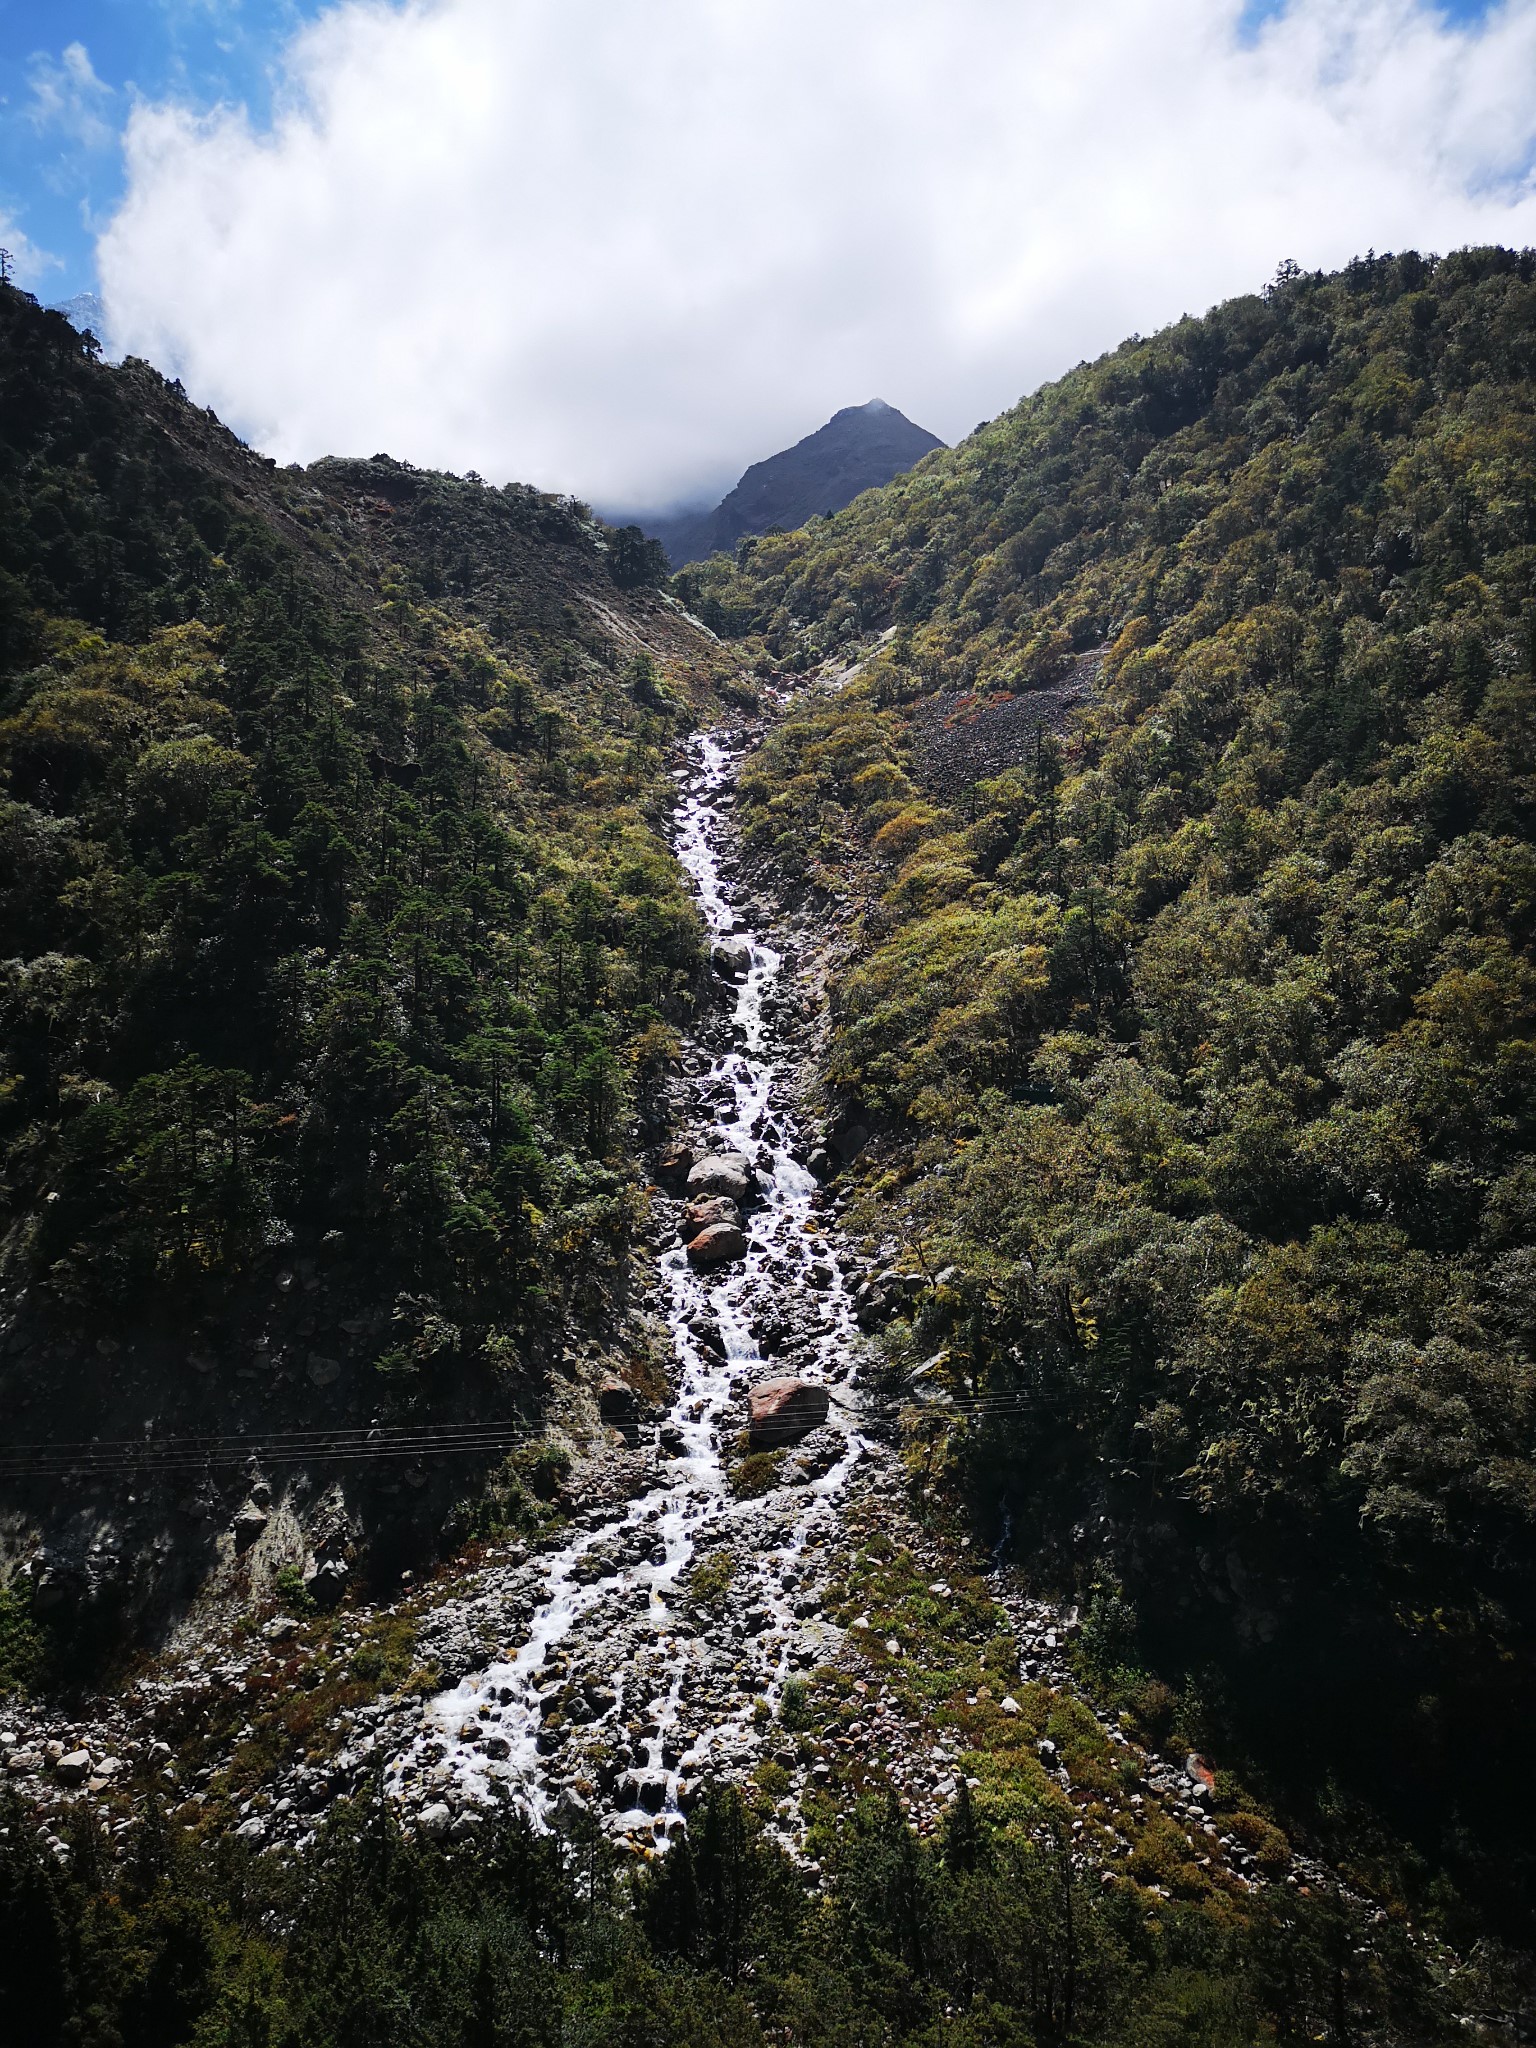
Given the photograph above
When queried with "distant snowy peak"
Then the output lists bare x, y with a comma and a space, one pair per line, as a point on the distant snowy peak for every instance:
86, 311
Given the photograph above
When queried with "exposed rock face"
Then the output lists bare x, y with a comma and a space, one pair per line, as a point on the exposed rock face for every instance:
783, 1411
723, 1173
717, 1244
248, 1524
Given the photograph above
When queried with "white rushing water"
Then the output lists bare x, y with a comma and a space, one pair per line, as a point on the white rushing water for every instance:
653, 1670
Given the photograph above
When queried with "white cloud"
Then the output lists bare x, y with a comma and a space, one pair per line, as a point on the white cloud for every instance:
69, 99
624, 249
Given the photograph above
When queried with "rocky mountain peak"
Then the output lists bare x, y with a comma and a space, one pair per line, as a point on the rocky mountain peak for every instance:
859, 448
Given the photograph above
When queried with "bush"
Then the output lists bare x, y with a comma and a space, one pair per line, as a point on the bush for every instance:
795, 1705
291, 1591
709, 1578
1263, 1840
548, 1469
757, 1474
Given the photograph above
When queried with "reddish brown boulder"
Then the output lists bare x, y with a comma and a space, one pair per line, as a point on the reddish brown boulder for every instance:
718, 1209
719, 1242
783, 1411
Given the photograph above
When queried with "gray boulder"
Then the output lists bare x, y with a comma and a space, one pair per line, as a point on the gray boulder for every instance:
722, 1173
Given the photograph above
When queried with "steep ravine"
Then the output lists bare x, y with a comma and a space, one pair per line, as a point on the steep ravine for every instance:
614, 1665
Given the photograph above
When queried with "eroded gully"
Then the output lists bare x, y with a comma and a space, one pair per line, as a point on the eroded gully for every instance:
623, 1691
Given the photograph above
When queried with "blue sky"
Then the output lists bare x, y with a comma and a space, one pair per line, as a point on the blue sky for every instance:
1257, 12
60, 163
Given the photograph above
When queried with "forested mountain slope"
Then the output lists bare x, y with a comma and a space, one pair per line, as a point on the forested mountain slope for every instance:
338, 936
1197, 1043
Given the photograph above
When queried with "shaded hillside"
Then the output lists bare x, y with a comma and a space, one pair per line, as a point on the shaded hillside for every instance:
338, 935
858, 448
1198, 1044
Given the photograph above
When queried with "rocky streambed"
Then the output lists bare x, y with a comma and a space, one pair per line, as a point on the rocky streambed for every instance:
660, 1638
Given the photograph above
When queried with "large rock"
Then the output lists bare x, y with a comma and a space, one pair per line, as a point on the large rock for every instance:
722, 1173
717, 1209
716, 1244
733, 959
73, 1769
783, 1411
616, 1403
327, 1583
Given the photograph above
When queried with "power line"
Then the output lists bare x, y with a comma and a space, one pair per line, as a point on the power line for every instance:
201, 1453
151, 1456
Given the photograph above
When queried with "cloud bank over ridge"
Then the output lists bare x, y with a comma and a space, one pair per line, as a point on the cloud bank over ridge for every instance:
622, 251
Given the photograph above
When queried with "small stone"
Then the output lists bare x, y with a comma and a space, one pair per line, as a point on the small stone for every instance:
1008, 1704
435, 1819
74, 1768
